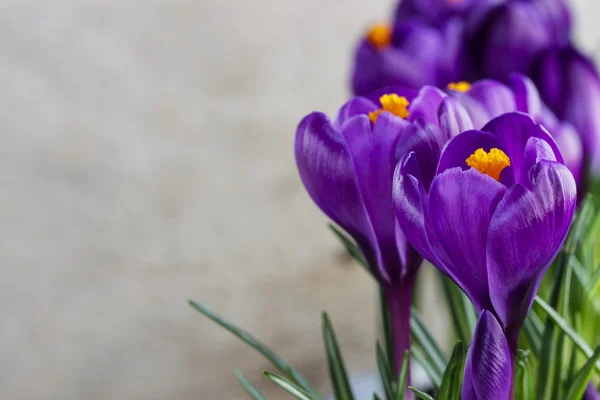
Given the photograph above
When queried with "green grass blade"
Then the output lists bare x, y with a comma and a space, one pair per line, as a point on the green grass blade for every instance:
421, 395
288, 386
434, 375
403, 377
424, 339
249, 387
350, 246
385, 373
564, 326
523, 379
580, 382
258, 346
337, 369
451, 386
464, 316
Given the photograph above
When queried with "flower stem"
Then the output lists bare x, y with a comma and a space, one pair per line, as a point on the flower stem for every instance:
396, 309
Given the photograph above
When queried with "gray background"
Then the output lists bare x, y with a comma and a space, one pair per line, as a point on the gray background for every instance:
146, 158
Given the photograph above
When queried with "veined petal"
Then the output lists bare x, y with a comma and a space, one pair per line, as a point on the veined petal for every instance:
426, 104
459, 199
459, 148
488, 369
496, 98
525, 234
410, 201
527, 97
328, 173
356, 106
454, 118
373, 155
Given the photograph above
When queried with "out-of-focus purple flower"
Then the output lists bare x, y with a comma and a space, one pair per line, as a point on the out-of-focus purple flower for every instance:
488, 368
570, 85
495, 215
410, 54
438, 12
347, 165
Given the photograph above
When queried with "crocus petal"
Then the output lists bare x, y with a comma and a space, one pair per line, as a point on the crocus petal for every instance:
425, 105
410, 202
496, 98
488, 369
525, 234
477, 111
373, 155
571, 147
514, 130
327, 171
453, 117
464, 199
426, 141
459, 148
356, 106
527, 97
591, 393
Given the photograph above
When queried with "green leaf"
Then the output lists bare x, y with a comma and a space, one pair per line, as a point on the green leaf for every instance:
387, 329
258, 346
580, 382
464, 316
403, 377
451, 386
288, 386
337, 369
421, 395
523, 379
375, 397
564, 326
425, 340
249, 387
350, 246
434, 375
385, 372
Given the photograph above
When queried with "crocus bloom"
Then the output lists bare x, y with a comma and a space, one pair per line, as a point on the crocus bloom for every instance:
487, 99
488, 368
438, 12
495, 215
347, 165
409, 54
591, 393
570, 85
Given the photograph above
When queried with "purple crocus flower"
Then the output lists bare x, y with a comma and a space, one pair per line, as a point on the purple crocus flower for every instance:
488, 368
347, 165
570, 85
409, 54
591, 393
495, 215
438, 12
487, 99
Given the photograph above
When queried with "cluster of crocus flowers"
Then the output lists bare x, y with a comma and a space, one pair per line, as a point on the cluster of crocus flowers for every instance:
464, 177
436, 42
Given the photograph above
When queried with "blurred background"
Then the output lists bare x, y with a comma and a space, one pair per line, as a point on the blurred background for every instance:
146, 158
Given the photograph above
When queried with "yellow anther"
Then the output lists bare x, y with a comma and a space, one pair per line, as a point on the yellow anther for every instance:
380, 35
461, 86
492, 163
392, 103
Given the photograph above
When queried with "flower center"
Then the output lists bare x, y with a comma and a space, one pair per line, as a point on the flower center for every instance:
492, 163
380, 35
461, 86
392, 103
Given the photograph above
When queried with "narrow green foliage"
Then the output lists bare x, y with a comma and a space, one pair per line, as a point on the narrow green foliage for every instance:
260, 347
421, 395
337, 369
564, 326
350, 246
581, 380
288, 386
425, 340
403, 376
464, 316
387, 329
523, 379
375, 397
385, 373
249, 387
435, 376
451, 386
